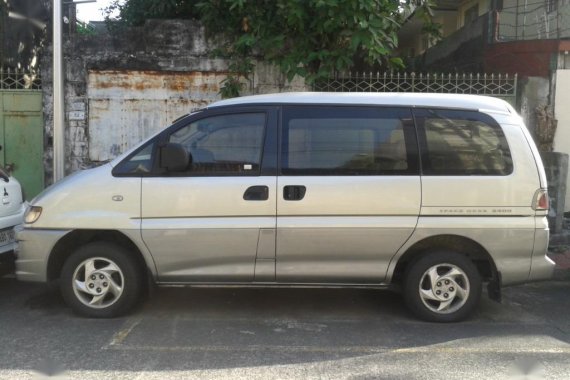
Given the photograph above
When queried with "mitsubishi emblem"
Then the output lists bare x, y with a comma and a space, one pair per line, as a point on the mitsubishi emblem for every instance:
5, 198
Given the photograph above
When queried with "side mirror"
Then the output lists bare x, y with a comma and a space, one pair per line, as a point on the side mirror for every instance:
174, 157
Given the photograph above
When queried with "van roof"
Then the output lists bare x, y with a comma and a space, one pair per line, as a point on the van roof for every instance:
365, 98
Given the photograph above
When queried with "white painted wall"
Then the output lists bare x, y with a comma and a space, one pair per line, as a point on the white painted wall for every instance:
562, 114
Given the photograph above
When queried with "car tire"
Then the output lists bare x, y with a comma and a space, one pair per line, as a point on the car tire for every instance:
442, 286
101, 280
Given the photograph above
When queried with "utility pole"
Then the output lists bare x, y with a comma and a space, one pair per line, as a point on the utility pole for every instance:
58, 95
58, 89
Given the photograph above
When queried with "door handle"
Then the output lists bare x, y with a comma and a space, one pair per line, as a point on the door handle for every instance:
256, 193
294, 193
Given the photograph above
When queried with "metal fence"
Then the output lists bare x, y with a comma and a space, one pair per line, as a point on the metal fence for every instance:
17, 79
532, 20
497, 85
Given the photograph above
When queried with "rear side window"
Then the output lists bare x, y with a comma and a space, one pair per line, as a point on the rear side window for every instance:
348, 141
462, 143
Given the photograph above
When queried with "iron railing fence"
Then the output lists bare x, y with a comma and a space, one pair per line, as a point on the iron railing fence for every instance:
497, 85
18, 79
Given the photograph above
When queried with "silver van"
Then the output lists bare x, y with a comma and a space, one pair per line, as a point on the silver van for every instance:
432, 194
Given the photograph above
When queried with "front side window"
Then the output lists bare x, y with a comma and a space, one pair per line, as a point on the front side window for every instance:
347, 141
224, 144
462, 143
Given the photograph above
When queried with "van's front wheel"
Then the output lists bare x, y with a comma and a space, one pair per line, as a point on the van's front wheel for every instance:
442, 287
101, 280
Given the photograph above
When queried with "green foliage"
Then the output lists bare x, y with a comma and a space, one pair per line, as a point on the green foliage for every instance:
85, 30
231, 87
309, 38
135, 12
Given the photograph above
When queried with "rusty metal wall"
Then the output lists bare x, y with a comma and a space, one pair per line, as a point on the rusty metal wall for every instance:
127, 106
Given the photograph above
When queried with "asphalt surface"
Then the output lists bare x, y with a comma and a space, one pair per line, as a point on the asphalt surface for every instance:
211, 333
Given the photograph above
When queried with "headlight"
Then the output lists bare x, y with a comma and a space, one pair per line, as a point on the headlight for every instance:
32, 214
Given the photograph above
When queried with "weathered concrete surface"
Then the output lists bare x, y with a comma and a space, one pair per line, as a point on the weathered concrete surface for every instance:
534, 92
125, 107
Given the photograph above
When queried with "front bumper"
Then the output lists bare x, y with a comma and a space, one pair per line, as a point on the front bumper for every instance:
32, 253
8, 222
7, 248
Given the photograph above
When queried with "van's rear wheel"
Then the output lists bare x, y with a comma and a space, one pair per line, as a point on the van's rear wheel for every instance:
101, 280
442, 286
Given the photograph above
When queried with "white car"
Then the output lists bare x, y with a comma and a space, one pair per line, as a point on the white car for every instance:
12, 211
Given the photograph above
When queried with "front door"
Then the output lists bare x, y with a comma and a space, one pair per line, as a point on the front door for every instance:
215, 222
348, 192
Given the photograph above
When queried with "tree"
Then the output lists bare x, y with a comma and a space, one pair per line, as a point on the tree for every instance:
310, 38
136, 12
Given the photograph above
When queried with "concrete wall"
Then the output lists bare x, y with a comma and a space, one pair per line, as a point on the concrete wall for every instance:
121, 88
556, 167
562, 114
125, 107
526, 58
564, 58
533, 92
462, 51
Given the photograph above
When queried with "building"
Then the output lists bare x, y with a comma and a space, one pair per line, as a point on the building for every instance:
530, 38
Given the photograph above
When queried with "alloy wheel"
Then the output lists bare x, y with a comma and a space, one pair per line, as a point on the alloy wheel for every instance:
98, 282
444, 288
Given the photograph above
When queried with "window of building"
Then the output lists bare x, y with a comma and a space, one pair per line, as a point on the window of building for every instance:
471, 14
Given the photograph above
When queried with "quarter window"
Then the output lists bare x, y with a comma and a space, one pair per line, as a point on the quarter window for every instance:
138, 164
462, 143
225, 144
347, 141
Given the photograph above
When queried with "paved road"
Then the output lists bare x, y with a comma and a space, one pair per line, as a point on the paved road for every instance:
284, 333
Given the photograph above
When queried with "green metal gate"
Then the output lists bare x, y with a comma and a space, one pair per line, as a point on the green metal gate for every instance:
21, 129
